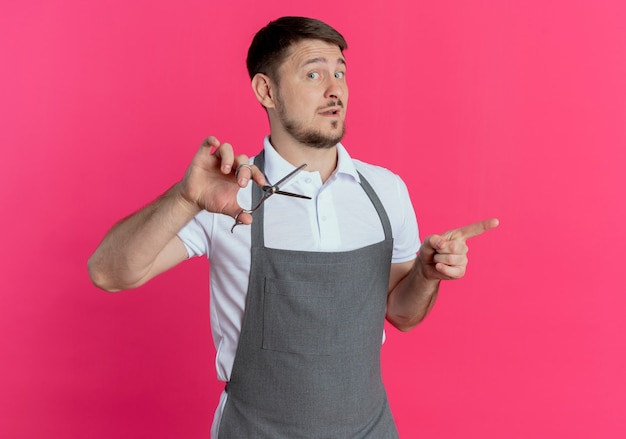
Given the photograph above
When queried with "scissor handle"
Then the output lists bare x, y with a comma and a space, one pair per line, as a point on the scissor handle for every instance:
237, 222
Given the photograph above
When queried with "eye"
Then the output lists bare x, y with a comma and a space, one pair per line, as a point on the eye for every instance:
313, 75
340, 75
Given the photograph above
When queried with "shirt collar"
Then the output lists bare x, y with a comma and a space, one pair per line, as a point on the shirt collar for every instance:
277, 167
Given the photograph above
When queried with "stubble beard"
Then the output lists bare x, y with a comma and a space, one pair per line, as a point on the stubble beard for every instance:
311, 137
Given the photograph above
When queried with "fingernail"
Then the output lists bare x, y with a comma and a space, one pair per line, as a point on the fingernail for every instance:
226, 168
243, 181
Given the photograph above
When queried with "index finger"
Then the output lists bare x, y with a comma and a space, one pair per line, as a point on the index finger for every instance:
225, 153
472, 230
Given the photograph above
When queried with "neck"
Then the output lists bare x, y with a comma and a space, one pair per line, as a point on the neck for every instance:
322, 160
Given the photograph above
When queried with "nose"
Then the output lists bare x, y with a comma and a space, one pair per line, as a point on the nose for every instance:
336, 88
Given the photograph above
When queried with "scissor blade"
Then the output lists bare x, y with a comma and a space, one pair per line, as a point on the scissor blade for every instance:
291, 194
291, 174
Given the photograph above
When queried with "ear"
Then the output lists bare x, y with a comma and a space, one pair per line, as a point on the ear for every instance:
263, 90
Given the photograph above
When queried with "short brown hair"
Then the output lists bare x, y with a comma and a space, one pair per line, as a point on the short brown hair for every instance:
269, 46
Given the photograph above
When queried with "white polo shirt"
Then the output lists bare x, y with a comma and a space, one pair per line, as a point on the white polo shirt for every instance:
339, 217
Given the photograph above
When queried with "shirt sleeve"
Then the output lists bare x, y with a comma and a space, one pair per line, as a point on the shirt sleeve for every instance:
404, 223
394, 195
195, 235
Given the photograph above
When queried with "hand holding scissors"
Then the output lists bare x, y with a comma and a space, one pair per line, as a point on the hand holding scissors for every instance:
268, 191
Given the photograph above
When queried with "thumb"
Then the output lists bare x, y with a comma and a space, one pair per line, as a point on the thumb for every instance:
429, 248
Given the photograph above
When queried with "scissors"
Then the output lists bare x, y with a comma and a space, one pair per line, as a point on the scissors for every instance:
268, 191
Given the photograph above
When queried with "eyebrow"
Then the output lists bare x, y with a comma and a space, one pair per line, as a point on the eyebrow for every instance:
322, 60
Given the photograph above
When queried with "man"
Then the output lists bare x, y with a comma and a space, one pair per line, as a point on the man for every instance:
298, 298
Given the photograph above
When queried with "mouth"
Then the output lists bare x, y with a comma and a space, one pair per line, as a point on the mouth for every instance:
331, 112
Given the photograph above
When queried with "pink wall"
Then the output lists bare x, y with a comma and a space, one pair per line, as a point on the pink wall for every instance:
514, 109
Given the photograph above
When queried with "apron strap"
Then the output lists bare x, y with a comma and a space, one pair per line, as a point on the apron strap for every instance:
258, 238
378, 205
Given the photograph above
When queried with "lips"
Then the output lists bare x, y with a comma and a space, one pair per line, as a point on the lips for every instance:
333, 111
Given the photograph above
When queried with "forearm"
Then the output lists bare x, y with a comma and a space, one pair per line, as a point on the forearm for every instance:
412, 298
127, 255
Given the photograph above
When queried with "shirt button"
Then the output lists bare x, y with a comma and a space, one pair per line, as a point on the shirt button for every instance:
308, 180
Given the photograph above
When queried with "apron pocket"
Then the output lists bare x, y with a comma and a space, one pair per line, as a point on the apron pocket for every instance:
299, 317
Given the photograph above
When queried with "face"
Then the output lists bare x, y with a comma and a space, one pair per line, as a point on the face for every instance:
312, 95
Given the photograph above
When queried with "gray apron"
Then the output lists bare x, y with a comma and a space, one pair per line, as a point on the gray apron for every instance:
308, 359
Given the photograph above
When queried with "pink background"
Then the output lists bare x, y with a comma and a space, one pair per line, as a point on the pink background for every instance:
515, 109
